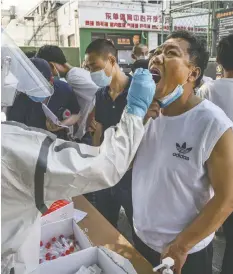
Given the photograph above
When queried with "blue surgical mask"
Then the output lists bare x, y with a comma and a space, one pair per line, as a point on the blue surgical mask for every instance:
100, 78
170, 98
37, 99
56, 77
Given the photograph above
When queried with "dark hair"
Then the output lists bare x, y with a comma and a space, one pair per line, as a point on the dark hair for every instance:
137, 48
140, 64
30, 54
225, 52
52, 54
101, 47
199, 55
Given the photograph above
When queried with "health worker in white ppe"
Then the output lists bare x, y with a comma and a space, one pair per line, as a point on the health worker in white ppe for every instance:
38, 169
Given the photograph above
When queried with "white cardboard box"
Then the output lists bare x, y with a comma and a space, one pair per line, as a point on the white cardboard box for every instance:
65, 227
108, 261
54, 224
65, 212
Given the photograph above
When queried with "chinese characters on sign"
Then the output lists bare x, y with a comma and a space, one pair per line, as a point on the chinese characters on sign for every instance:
225, 23
133, 17
123, 41
139, 26
133, 21
224, 14
195, 29
136, 21
123, 25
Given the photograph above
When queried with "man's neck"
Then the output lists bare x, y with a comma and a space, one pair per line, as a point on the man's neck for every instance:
118, 84
67, 68
181, 105
228, 74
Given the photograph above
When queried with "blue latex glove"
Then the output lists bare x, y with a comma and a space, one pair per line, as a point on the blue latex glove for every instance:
141, 93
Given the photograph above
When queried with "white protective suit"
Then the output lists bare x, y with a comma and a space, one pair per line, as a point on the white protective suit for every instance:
38, 169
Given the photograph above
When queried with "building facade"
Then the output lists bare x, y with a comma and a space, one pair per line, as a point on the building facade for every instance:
38, 26
128, 23
75, 23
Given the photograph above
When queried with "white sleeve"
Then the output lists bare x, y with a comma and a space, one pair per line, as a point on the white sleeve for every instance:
204, 91
82, 84
85, 90
74, 169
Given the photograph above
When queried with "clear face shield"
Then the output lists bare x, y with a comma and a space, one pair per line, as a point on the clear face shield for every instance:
19, 74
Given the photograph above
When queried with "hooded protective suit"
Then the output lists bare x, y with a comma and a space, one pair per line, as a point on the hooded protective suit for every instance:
38, 169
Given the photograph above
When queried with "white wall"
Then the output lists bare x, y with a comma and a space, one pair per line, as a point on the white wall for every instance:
18, 32
152, 40
22, 32
67, 23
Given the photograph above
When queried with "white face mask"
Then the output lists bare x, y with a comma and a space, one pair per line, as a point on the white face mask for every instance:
143, 57
100, 78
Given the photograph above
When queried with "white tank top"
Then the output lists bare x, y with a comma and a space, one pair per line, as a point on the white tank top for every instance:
219, 92
170, 182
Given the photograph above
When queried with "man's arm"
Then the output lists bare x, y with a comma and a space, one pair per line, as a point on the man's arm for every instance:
220, 170
96, 139
89, 124
72, 120
98, 115
216, 211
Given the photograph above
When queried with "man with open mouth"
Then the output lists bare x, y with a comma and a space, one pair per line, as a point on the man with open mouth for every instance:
182, 174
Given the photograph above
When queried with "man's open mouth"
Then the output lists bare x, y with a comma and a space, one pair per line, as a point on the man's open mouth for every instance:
156, 74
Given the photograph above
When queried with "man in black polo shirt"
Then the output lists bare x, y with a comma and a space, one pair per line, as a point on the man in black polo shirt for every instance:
101, 60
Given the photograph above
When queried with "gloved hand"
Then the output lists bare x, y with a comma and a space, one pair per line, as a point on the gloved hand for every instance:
141, 93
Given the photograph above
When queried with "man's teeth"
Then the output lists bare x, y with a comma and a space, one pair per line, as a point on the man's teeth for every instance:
156, 74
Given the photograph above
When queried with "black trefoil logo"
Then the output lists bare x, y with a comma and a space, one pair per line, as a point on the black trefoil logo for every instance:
182, 150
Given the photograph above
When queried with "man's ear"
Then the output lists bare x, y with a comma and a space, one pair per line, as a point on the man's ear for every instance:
195, 74
52, 66
57, 68
112, 60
